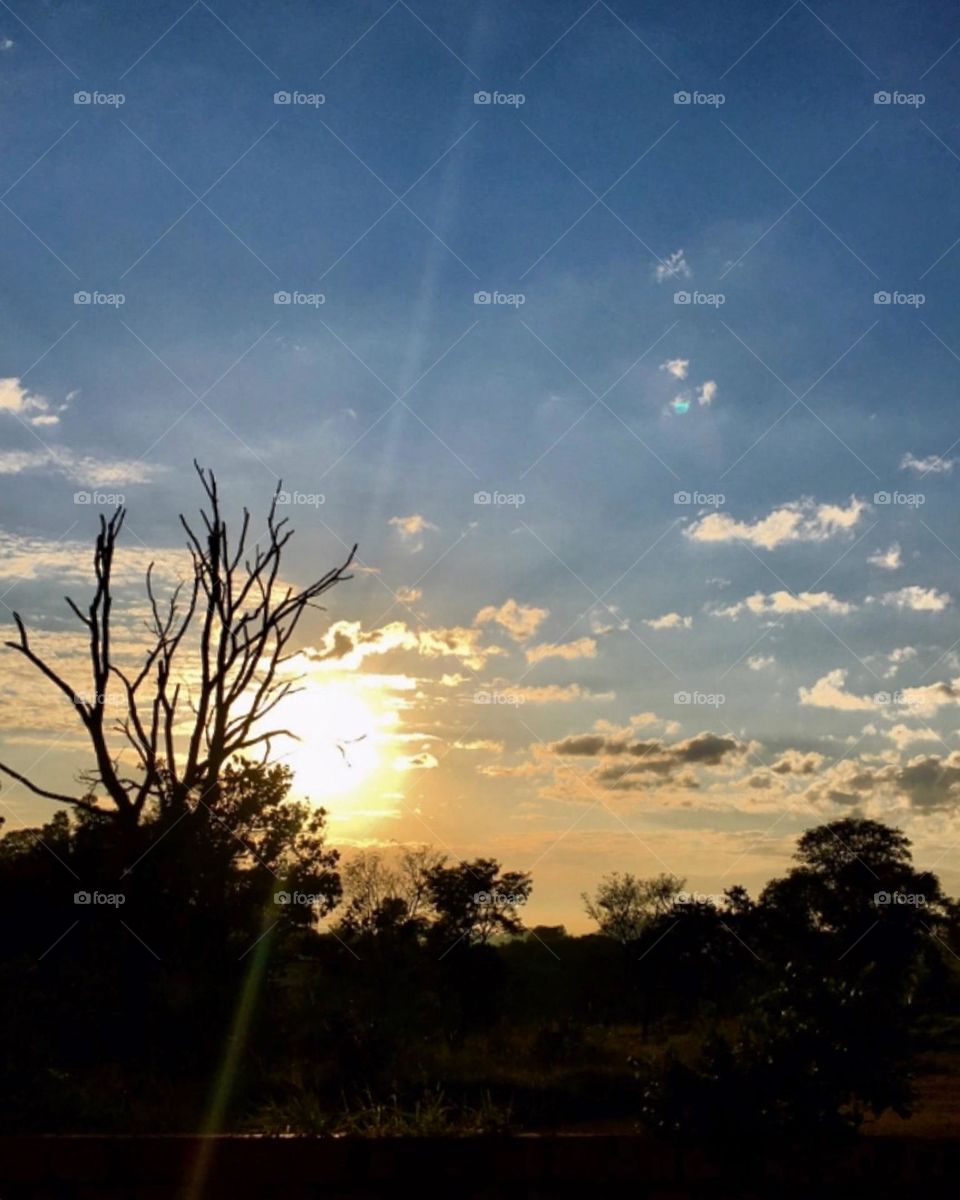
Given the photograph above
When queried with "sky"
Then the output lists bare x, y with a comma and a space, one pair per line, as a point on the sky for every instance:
621, 338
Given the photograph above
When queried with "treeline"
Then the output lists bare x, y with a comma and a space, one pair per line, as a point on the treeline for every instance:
224, 969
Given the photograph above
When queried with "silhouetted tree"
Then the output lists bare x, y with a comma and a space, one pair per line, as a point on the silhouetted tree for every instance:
624, 905
211, 670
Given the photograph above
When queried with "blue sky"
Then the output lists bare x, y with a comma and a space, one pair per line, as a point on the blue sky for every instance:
783, 398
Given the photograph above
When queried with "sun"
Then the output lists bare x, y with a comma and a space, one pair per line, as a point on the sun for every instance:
340, 745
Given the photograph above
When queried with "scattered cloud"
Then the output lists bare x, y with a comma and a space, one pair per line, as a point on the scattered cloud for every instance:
411, 529
674, 266
904, 735
677, 367
79, 469
889, 560
29, 406
521, 621
830, 692
759, 662
707, 392
795, 762
627, 764
782, 603
346, 644
933, 464
670, 620
581, 648
801, 521
918, 599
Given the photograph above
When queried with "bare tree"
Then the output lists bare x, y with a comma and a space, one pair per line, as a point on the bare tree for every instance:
232, 623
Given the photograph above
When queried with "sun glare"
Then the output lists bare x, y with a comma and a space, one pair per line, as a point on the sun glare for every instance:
339, 748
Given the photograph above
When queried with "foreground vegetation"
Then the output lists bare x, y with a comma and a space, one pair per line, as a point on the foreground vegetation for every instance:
180, 949
210, 996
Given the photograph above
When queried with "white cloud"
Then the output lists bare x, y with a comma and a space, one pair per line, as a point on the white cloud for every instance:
581, 648
830, 692
78, 468
21, 402
670, 620
346, 644
707, 392
801, 521
521, 621
897, 658
933, 464
918, 599
903, 735
759, 662
889, 559
677, 367
674, 266
778, 603
411, 528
